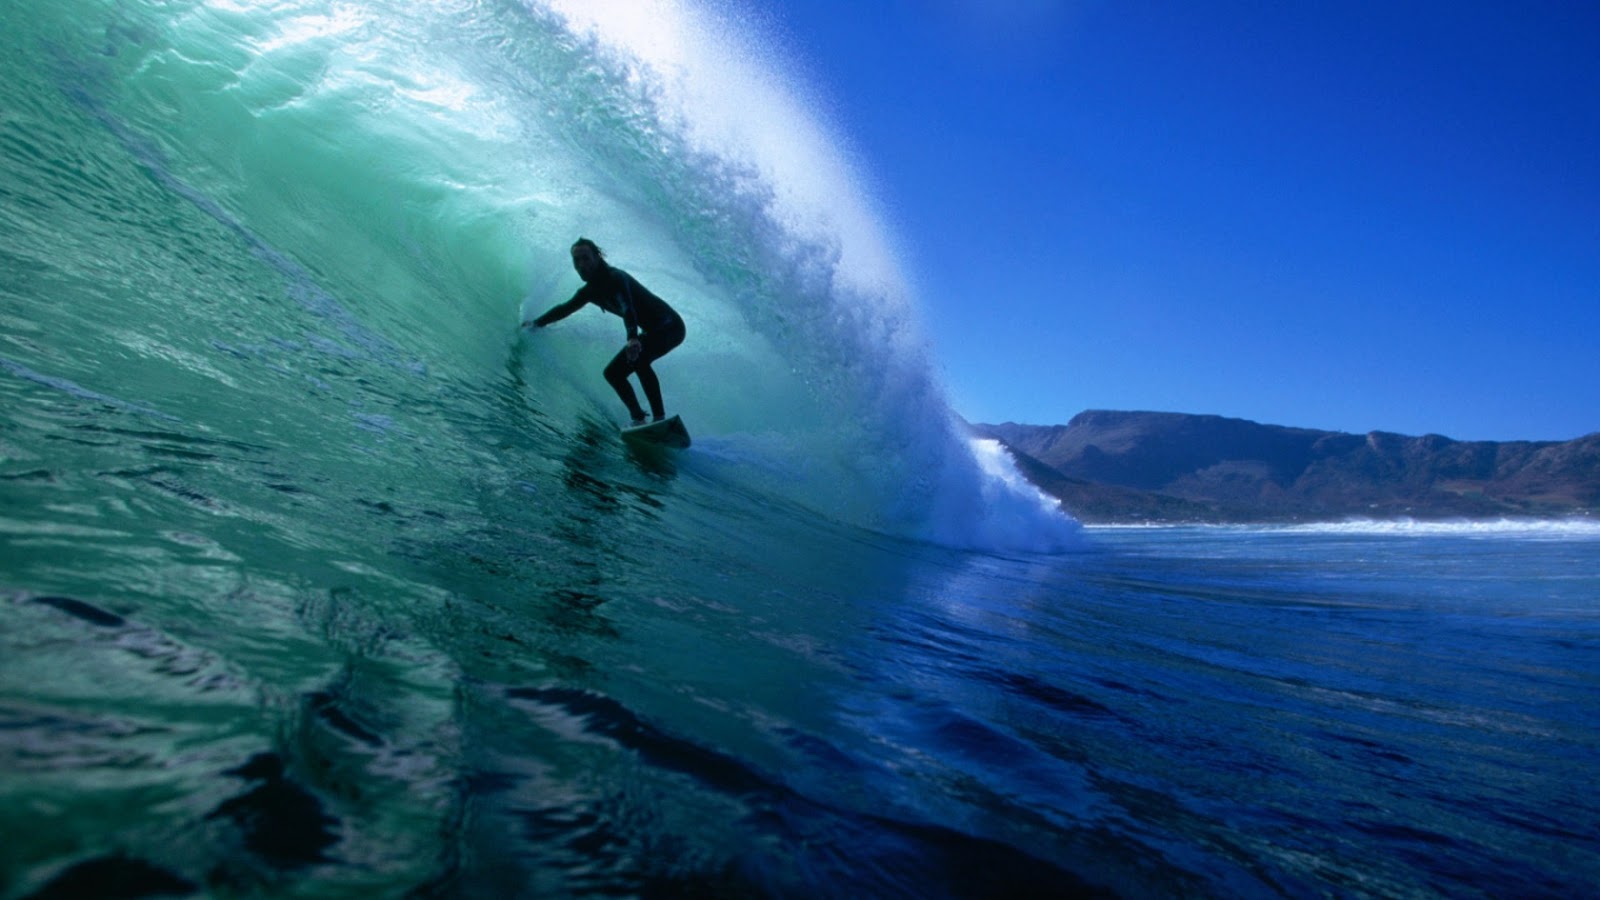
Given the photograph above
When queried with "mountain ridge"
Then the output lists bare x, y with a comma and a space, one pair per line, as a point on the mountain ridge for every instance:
1114, 467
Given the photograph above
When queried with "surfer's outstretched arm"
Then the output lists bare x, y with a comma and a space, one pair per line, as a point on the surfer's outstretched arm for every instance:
556, 313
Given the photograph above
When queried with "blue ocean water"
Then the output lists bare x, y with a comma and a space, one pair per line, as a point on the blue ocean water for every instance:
320, 578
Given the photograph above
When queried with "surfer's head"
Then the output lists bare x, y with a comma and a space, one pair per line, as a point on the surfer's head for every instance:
587, 258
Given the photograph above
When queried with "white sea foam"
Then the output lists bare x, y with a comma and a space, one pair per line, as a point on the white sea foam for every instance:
1503, 527
1012, 513
1574, 528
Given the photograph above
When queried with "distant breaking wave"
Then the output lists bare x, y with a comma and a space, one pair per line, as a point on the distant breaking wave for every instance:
1505, 527
1564, 529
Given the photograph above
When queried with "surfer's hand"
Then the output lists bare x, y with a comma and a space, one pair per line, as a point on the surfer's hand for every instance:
529, 323
634, 347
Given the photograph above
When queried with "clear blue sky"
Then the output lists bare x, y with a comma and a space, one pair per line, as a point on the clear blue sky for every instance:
1345, 215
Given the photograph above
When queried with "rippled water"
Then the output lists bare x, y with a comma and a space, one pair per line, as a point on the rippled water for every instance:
806, 710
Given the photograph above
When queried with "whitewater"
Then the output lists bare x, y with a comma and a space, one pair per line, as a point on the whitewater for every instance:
321, 577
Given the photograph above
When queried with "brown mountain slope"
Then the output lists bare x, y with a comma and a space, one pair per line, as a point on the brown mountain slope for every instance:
1136, 466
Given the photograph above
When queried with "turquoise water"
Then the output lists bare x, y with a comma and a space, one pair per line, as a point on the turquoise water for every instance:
322, 579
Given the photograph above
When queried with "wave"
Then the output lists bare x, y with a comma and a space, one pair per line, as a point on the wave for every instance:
406, 172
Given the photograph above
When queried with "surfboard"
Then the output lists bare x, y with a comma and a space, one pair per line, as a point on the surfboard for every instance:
668, 432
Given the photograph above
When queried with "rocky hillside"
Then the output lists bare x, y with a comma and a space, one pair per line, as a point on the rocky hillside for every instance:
1137, 466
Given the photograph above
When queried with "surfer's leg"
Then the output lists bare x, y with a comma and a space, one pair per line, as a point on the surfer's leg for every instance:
652, 388
617, 376
653, 346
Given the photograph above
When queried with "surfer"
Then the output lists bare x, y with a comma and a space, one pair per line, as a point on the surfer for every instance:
654, 328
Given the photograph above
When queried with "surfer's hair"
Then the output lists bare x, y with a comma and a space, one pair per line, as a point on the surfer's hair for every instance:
585, 242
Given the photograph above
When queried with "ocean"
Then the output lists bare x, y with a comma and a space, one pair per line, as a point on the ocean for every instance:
321, 578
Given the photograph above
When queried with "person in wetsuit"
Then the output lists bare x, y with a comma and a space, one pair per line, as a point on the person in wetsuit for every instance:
654, 328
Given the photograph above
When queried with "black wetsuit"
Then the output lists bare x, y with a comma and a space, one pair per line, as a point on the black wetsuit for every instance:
658, 327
